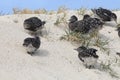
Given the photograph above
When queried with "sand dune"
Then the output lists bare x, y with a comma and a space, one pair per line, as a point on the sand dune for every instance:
55, 59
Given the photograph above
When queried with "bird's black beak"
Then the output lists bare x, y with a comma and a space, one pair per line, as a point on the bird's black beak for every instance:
43, 22
96, 50
24, 44
75, 49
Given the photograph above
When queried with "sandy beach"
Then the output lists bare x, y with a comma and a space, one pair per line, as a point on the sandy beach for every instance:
55, 59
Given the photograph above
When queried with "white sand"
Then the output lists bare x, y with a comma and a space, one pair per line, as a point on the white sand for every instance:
55, 59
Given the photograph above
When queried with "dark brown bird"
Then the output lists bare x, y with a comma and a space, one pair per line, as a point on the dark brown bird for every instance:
105, 14
88, 56
73, 23
94, 23
78, 25
33, 25
86, 25
31, 44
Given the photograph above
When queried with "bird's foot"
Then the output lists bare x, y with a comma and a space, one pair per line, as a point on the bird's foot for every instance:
31, 53
90, 66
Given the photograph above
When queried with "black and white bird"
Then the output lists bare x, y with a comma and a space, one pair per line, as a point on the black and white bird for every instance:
33, 25
78, 25
88, 56
86, 25
94, 23
105, 14
31, 44
73, 23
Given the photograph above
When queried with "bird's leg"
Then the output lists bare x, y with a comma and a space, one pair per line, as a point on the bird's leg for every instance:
31, 53
90, 66
81, 59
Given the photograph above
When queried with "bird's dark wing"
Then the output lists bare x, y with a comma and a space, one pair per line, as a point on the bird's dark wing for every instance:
104, 14
84, 54
37, 22
83, 26
92, 52
35, 43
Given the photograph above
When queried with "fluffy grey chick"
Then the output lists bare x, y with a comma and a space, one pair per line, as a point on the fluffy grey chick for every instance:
78, 26
33, 25
73, 23
105, 14
87, 56
31, 44
94, 23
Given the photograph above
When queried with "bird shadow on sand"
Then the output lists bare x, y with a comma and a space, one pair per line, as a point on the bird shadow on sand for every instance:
101, 67
98, 66
41, 53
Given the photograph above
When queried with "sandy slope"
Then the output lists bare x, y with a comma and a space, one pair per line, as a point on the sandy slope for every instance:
55, 60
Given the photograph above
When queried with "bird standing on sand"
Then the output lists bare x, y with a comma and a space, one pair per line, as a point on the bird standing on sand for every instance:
94, 23
86, 25
105, 14
32, 44
73, 23
78, 26
33, 25
87, 56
